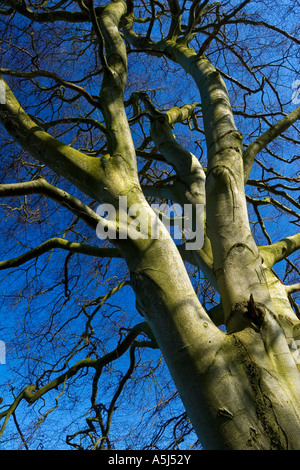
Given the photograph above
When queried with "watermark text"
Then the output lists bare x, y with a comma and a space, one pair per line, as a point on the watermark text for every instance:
2, 353
158, 221
296, 93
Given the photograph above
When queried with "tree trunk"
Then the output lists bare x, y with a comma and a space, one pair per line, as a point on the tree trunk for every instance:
241, 390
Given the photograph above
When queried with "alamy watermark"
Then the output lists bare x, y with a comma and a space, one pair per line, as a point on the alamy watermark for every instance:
139, 221
2, 353
296, 93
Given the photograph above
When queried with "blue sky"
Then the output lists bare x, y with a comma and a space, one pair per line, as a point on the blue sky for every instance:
19, 289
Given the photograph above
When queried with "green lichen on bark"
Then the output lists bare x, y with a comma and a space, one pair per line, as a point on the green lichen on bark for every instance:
270, 427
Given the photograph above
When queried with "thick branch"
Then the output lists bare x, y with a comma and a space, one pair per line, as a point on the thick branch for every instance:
292, 288
83, 171
190, 187
119, 139
187, 166
279, 251
175, 26
182, 113
41, 186
72, 247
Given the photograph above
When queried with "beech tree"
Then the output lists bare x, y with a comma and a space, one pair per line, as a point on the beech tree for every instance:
113, 113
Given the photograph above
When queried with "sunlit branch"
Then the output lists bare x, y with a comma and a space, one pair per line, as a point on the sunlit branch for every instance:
119, 138
76, 166
63, 244
190, 188
169, 292
6, 414
139, 42
280, 250
182, 113
41, 186
293, 288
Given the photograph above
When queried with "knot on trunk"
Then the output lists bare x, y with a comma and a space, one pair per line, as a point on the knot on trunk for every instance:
255, 312
244, 314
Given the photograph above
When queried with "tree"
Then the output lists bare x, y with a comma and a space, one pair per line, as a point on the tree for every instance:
92, 95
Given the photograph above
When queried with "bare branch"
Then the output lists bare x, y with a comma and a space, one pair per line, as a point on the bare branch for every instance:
53, 76
31, 394
268, 136
74, 120
41, 186
218, 26
46, 16
73, 247
279, 206
266, 25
